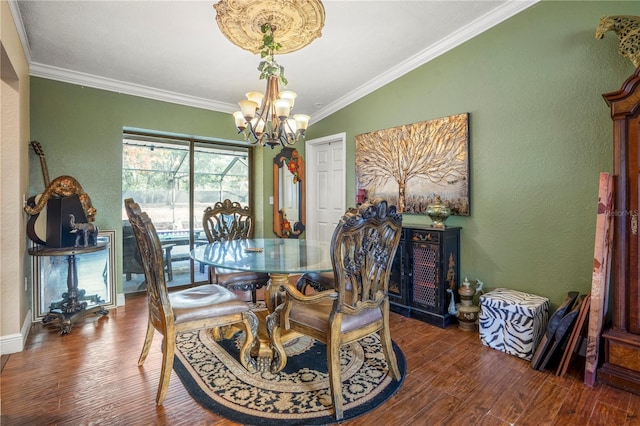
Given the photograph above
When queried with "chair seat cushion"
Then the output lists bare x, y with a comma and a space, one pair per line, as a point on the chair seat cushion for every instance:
316, 315
229, 277
205, 301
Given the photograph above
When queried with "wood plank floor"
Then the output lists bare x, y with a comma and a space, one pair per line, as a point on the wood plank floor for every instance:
91, 377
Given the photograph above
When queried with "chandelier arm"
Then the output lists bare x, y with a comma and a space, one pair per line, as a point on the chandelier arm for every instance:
252, 133
282, 134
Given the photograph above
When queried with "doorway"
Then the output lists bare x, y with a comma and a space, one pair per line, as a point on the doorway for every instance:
326, 177
174, 180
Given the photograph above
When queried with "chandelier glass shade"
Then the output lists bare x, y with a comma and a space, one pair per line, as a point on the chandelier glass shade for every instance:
264, 119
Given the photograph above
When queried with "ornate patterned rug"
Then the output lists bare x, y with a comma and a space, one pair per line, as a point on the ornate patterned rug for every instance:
298, 395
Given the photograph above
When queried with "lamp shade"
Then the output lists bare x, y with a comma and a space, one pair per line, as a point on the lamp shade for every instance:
283, 107
240, 121
289, 96
302, 121
255, 97
248, 108
258, 125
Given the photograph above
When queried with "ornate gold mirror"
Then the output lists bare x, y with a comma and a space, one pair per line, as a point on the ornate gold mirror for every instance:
288, 194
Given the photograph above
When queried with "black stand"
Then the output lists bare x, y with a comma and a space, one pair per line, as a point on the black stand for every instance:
74, 302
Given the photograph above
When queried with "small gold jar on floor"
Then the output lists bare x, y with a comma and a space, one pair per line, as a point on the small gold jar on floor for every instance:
467, 312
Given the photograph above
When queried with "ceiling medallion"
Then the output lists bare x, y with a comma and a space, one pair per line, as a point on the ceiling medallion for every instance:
297, 22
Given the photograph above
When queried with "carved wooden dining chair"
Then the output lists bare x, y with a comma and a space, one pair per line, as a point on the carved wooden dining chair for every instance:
196, 308
362, 251
227, 221
318, 281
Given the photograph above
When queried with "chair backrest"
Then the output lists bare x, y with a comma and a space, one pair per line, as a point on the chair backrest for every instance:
227, 221
150, 249
131, 261
362, 250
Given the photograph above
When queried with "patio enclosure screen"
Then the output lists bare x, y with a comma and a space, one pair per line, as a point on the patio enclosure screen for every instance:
174, 180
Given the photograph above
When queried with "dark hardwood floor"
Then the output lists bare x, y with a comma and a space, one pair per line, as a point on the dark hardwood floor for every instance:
91, 377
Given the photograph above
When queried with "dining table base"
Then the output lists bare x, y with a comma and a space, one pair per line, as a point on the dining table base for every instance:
280, 258
273, 296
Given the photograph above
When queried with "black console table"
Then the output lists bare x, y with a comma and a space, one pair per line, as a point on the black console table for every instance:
75, 303
427, 263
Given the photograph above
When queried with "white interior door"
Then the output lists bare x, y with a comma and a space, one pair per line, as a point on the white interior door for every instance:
325, 171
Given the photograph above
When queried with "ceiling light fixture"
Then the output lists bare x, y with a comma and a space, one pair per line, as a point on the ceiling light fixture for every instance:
252, 25
264, 118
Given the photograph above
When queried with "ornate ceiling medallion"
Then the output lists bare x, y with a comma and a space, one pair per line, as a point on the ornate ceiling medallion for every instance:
297, 22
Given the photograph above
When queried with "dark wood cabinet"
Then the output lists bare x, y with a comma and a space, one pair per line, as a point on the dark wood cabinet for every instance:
621, 366
398, 279
426, 264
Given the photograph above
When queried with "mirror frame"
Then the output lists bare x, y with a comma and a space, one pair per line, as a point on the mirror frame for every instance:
288, 157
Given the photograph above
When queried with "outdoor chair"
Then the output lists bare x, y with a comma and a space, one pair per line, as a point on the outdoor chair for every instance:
202, 307
227, 221
362, 251
131, 261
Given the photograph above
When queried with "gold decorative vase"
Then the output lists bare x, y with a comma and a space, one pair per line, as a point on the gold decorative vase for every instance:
438, 212
467, 312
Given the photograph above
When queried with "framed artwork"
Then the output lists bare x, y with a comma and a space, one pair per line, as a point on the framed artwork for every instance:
411, 165
96, 272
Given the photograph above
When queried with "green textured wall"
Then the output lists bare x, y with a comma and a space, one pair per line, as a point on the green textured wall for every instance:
540, 134
80, 130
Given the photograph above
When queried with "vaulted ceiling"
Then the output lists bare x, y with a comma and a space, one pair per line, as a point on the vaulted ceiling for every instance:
174, 50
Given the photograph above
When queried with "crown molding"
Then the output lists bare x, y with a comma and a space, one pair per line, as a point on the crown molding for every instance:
17, 21
504, 12
480, 25
83, 79
89, 80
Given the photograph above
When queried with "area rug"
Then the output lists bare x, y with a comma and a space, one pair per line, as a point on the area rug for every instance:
298, 395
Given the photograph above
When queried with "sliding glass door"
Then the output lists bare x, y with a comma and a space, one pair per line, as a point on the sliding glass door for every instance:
174, 180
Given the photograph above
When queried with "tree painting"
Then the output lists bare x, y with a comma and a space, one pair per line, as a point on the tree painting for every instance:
412, 164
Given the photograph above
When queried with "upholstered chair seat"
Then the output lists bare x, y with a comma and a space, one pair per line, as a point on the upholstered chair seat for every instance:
231, 277
204, 307
317, 315
203, 302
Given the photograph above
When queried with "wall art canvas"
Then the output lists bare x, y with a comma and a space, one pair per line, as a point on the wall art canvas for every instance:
411, 165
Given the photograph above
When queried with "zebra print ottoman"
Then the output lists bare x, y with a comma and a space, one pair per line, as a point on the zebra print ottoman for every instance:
512, 321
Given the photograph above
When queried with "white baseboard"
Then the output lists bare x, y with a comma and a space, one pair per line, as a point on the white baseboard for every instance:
11, 344
15, 342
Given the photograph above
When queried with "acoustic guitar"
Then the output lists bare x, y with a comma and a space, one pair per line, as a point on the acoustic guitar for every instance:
37, 224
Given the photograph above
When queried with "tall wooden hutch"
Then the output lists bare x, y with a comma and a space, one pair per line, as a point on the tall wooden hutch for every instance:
621, 366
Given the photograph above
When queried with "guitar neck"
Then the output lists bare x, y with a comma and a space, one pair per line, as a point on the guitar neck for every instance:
43, 163
45, 171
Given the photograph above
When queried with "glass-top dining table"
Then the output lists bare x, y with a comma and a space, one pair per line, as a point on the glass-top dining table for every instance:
276, 256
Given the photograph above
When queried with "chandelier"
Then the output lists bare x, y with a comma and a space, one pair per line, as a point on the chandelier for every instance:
266, 119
